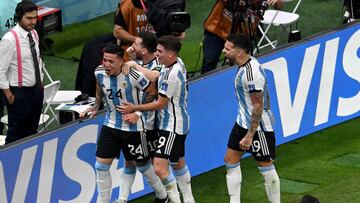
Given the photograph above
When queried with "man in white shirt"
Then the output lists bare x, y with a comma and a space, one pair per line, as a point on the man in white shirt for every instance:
20, 74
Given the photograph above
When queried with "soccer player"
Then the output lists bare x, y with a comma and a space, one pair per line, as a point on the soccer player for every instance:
173, 120
143, 49
121, 132
253, 130
143, 52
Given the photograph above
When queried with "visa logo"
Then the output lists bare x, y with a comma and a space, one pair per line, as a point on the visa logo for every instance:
292, 109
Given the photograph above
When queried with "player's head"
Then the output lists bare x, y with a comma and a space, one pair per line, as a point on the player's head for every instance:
145, 43
26, 15
236, 46
112, 59
167, 49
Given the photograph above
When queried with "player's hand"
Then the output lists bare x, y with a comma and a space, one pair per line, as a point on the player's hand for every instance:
131, 118
125, 69
131, 52
126, 108
246, 142
92, 111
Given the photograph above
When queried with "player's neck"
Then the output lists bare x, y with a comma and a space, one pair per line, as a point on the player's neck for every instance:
170, 63
243, 60
148, 58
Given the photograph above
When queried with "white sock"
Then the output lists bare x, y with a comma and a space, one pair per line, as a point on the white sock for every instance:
126, 181
233, 181
153, 180
103, 182
272, 183
171, 188
183, 179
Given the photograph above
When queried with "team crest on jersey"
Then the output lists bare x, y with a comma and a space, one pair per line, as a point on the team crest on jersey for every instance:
124, 85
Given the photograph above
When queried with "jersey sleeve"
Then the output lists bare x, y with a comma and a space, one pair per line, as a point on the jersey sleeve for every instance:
254, 80
139, 80
169, 85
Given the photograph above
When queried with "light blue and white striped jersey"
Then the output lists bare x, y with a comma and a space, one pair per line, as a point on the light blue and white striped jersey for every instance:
173, 84
149, 116
118, 89
251, 78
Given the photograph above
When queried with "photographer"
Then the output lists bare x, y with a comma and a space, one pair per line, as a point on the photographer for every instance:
218, 25
130, 19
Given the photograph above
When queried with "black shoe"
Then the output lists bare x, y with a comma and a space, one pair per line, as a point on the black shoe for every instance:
166, 200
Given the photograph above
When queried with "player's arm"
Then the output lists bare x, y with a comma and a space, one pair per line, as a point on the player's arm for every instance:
94, 109
119, 29
152, 75
258, 106
159, 104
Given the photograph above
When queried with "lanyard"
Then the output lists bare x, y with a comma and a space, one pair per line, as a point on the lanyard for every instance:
143, 5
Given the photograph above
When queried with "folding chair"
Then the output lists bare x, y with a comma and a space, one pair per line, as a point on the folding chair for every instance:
62, 96
277, 18
2, 140
48, 115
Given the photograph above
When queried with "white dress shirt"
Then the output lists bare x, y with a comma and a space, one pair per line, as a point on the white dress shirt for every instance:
8, 59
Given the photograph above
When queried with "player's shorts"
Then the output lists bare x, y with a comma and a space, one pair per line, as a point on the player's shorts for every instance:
170, 146
152, 138
263, 145
112, 141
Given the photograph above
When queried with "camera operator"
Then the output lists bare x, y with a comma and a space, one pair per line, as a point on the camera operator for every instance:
168, 17
219, 24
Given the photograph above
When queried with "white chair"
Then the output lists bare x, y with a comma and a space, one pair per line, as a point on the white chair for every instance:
277, 18
62, 96
2, 140
48, 115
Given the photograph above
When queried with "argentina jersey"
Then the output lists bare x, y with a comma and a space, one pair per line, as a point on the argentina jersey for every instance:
118, 89
251, 78
149, 116
172, 84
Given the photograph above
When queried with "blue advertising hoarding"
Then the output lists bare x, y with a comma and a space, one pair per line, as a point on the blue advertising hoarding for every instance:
313, 85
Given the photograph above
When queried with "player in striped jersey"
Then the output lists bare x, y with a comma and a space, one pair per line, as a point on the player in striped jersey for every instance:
173, 120
253, 130
142, 52
119, 131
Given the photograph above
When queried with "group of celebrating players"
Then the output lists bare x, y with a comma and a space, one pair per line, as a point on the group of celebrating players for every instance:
147, 119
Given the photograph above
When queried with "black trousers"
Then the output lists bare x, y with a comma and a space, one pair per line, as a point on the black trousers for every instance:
24, 113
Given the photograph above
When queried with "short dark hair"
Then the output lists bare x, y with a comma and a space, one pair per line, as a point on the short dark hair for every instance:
113, 49
240, 41
170, 42
23, 7
149, 40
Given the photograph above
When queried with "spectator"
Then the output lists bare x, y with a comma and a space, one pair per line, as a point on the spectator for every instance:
130, 19
20, 77
217, 27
